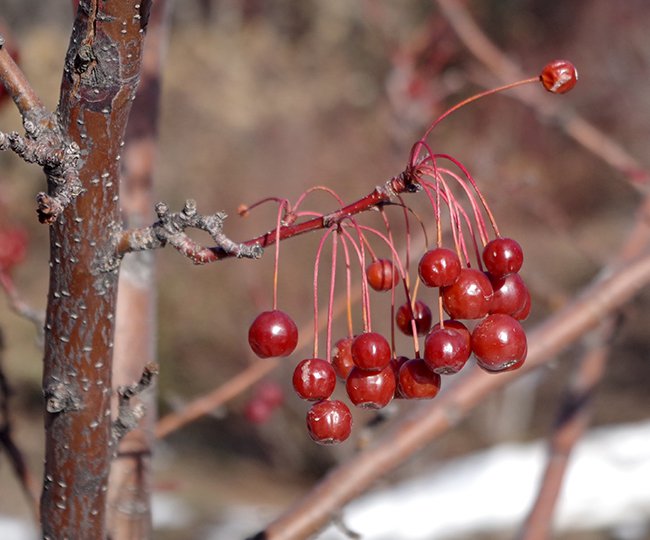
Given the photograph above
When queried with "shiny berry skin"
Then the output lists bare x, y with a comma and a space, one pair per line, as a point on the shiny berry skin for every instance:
439, 267
371, 389
469, 297
499, 343
382, 275
314, 379
446, 351
456, 325
510, 294
370, 351
273, 333
329, 421
420, 313
503, 256
522, 314
416, 381
396, 364
559, 76
342, 357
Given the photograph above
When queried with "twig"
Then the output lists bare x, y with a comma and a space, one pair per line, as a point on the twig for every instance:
169, 228
17, 86
207, 403
128, 415
16, 458
584, 133
573, 419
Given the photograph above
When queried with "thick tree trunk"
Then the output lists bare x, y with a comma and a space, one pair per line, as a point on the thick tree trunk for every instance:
101, 74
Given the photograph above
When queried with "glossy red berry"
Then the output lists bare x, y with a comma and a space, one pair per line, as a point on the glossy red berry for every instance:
469, 297
342, 357
382, 275
273, 333
503, 256
559, 76
314, 379
329, 422
439, 267
371, 389
499, 342
446, 350
456, 325
417, 381
420, 313
510, 294
370, 351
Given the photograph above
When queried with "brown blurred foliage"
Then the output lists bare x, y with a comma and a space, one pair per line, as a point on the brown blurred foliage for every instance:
269, 98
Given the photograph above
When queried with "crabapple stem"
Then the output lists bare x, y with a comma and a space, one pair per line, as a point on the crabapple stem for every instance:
283, 204
330, 306
472, 99
319, 252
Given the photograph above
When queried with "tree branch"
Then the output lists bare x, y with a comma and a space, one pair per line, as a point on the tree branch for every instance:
572, 421
170, 226
11, 76
128, 416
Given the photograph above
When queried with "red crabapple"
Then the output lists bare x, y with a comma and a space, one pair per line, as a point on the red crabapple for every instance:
371, 389
559, 76
446, 350
470, 295
273, 333
439, 267
314, 379
382, 275
417, 381
420, 313
329, 421
499, 342
370, 351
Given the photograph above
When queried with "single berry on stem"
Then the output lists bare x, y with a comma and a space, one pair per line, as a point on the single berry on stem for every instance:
503, 256
382, 275
446, 350
273, 333
417, 381
420, 313
329, 422
559, 76
371, 389
499, 343
469, 297
439, 267
314, 379
370, 351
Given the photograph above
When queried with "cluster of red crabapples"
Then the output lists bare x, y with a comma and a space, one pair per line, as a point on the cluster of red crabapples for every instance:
480, 296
